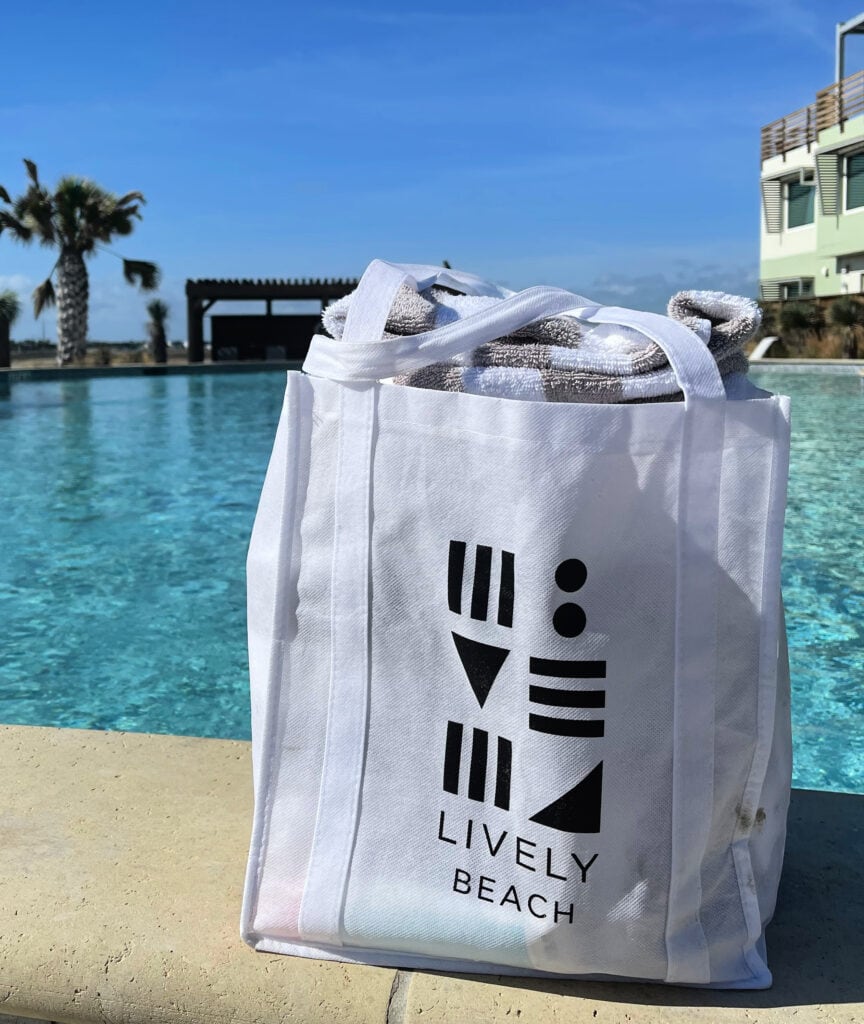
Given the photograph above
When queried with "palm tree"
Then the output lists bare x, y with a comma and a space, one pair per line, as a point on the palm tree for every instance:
794, 317
849, 314
769, 319
158, 311
74, 218
10, 307
816, 318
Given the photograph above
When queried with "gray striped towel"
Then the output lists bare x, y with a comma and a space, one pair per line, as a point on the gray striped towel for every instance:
560, 359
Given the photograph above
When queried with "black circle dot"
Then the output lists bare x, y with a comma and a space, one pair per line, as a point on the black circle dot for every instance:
569, 620
571, 575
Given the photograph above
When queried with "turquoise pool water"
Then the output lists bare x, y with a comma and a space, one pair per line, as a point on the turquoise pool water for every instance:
126, 505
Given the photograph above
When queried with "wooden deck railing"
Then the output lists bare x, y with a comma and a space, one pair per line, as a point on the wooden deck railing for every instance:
834, 105
789, 132
840, 101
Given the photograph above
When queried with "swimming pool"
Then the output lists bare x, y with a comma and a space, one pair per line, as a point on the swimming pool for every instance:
126, 505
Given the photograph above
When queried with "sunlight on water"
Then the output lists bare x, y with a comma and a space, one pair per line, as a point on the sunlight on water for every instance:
823, 579
128, 505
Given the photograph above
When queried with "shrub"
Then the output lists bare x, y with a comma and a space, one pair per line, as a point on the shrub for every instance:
848, 315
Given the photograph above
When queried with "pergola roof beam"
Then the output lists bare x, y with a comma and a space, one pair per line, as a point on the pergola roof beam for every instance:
306, 288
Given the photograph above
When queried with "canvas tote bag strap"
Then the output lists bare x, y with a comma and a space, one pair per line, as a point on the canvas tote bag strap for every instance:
356, 358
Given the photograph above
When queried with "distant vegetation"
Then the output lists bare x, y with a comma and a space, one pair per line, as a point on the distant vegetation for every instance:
849, 317
10, 307
815, 328
77, 218
158, 311
35, 352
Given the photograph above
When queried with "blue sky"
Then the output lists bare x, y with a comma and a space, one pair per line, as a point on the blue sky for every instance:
608, 148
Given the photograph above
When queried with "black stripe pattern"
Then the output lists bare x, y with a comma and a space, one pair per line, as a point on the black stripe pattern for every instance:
566, 697
478, 765
482, 582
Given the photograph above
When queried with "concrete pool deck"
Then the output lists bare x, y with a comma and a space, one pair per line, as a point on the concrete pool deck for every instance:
121, 868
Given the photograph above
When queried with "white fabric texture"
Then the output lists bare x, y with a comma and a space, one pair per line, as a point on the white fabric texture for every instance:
520, 692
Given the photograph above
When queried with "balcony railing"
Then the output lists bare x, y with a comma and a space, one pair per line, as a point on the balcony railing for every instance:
790, 132
834, 105
840, 101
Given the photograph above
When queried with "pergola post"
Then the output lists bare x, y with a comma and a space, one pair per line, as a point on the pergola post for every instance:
5, 347
195, 329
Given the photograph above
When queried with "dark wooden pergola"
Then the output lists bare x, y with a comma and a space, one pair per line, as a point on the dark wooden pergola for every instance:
202, 294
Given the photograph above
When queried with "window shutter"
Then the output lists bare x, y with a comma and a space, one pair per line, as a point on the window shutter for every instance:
772, 200
770, 291
855, 181
828, 175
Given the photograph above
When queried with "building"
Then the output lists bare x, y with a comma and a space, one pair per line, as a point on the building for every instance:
257, 337
812, 238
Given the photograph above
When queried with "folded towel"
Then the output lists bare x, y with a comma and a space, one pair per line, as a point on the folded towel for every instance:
559, 359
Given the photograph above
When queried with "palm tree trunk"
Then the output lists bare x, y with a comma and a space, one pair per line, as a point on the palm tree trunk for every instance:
158, 343
72, 295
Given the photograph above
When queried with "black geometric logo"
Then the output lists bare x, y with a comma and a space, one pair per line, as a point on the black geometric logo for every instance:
561, 697
482, 663
479, 765
569, 619
578, 810
481, 582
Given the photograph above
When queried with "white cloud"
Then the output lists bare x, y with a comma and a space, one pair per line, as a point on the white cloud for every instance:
652, 291
16, 282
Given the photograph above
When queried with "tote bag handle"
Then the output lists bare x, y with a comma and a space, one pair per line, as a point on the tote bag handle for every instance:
357, 359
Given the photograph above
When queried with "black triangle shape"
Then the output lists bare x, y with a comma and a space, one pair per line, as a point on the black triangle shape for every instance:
579, 809
482, 663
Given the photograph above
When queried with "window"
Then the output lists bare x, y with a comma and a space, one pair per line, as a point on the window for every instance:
801, 288
800, 203
855, 181
773, 291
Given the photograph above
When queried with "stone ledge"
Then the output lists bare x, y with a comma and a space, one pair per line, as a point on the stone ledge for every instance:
121, 869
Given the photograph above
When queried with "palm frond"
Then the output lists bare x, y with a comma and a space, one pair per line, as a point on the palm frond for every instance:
77, 214
74, 198
41, 213
32, 173
35, 209
18, 229
158, 310
129, 197
10, 307
846, 312
145, 275
43, 297
794, 317
118, 222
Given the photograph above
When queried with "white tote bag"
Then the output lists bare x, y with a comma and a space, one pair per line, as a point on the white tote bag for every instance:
519, 684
